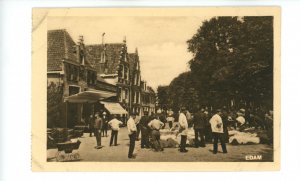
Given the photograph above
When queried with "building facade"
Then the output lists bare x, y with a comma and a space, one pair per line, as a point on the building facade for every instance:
118, 67
148, 98
68, 73
135, 78
112, 65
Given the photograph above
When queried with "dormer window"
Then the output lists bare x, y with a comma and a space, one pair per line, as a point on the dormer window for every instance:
125, 73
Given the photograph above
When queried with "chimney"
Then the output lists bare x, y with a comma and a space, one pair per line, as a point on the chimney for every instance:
80, 39
103, 38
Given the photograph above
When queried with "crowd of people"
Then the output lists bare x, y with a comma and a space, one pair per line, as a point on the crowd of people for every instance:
210, 126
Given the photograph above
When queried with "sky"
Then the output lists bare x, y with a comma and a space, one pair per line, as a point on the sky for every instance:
161, 41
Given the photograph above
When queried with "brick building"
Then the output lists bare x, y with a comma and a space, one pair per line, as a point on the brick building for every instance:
118, 67
148, 98
112, 65
68, 73
135, 78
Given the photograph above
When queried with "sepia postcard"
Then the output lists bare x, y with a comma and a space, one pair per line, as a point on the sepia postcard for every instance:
156, 89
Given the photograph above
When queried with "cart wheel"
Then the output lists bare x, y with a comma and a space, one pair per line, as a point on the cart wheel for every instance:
57, 154
60, 158
71, 156
76, 156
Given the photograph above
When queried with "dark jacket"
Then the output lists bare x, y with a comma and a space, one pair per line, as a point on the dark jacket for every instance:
162, 118
98, 123
200, 120
144, 122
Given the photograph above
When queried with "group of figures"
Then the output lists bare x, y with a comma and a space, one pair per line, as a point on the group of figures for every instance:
209, 126
99, 125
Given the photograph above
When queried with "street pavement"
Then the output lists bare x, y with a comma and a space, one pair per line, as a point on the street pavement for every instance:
88, 153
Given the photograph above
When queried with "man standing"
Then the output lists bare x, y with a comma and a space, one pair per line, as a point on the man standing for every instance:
115, 126
161, 116
200, 120
145, 130
97, 127
132, 134
217, 131
170, 118
156, 125
224, 117
240, 120
105, 124
91, 124
138, 127
183, 128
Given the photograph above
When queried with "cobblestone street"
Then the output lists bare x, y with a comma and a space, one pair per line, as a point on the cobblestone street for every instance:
119, 153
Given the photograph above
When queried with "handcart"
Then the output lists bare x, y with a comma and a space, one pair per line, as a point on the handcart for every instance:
65, 151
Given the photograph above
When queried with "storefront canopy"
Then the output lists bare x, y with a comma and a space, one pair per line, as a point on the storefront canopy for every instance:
114, 108
89, 97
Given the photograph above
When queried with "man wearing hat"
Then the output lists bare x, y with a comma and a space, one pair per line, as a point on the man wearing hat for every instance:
115, 127
240, 120
183, 129
105, 124
97, 127
156, 125
145, 130
132, 134
217, 131
170, 118
200, 121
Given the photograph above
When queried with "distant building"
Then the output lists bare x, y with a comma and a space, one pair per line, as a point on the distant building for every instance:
69, 72
135, 79
148, 98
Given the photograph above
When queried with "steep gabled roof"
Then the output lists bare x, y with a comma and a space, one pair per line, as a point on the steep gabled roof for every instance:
60, 46
150, 89
113, 53
133, 58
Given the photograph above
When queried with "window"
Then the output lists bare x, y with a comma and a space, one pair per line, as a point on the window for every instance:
120, 94
102, 60
126, 95
137, 97
123, 94
125, 73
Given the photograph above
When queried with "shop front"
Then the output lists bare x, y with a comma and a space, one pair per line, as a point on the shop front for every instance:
81, 105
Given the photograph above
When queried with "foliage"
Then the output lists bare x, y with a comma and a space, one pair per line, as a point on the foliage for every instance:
54, 103
232, 62
163, 97
233, 59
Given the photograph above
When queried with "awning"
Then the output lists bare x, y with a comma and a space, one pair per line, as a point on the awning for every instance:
114, 108
89, 96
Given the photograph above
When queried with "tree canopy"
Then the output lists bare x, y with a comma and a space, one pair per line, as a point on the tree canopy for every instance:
232, 64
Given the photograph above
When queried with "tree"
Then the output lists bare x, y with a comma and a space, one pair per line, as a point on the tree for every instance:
183, 93
163, 97
54, 104
233, 58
